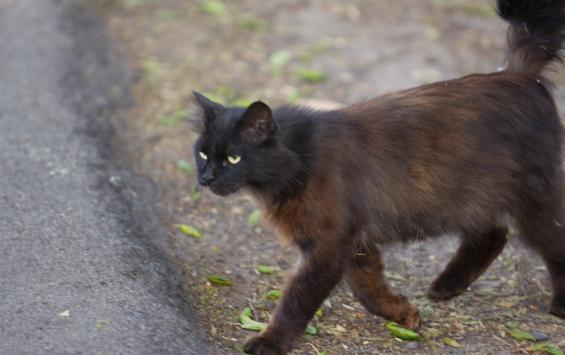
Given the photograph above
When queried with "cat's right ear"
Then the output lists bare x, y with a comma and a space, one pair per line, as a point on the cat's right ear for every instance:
211, 109
257, 123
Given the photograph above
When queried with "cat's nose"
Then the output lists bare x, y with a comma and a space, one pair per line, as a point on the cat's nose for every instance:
207, 178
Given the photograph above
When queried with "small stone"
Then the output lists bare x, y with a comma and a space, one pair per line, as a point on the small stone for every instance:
539, 336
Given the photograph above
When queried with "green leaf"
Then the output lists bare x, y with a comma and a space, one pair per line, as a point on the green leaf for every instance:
274, 295
252, 23
266, 270
548, 348
195, 193
520, 334
402, 333
173, 119
185, 166
310, 329
101, 324
219, 280
312, 76
213, 7
152, 70
254, 325
293, 96
320, 312
247, 321
279, 58
480, 10
254, 218
190, 231
242, 102
452, 342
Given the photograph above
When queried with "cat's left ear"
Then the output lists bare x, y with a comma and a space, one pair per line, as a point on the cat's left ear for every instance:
211, 109
257, 123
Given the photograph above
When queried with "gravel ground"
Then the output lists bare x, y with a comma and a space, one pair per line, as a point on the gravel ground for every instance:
238, 51
80, 269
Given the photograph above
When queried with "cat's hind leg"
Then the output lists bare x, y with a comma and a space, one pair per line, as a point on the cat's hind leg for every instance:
366, 279
542, 226
476, 252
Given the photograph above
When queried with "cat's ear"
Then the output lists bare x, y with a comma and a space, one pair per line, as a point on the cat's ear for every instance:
257, 123
211, 109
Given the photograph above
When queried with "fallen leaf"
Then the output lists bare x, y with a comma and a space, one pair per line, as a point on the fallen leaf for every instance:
65, 313
185, 166
479, 10
402, 333
254, 218
252, 23
293, 96
310, 329
274, 295
279, 58
213, 7
452, 342
247, 321
340, 329
195, 193
432, 333
242, 102
101, 324
190, 231
239, 348
266, 270
549, 349
394, 276
520, 334
219, 280
312, 76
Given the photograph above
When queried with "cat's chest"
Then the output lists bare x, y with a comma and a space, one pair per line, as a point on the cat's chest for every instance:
303, 220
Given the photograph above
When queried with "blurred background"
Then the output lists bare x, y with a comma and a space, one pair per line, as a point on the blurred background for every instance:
293, 51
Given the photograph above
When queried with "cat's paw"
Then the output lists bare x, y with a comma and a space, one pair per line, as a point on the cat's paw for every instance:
261, 345
440, 292
410, 317
558, 309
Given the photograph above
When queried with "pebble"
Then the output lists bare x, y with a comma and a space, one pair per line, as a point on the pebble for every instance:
540, 336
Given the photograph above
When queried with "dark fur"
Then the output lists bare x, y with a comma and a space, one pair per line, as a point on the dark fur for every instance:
459, 156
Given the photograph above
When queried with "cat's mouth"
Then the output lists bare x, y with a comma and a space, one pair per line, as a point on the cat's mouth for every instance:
223, 190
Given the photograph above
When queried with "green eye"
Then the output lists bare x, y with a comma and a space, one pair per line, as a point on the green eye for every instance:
234, 159
203, 156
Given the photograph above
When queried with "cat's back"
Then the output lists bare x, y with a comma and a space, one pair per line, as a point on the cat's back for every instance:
447, 146
503, 91
476, 111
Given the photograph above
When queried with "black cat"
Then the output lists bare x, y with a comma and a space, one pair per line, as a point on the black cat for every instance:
456, 156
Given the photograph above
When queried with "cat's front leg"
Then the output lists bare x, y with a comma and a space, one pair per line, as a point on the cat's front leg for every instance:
318, 274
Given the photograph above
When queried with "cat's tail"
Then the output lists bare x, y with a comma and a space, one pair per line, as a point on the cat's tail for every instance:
535, 35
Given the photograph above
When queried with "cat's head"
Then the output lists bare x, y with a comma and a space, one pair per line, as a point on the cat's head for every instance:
237, 147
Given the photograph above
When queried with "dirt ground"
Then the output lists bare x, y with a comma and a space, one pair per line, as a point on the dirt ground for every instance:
286, 51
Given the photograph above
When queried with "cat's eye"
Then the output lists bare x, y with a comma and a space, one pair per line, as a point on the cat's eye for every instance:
203, 156
234, 159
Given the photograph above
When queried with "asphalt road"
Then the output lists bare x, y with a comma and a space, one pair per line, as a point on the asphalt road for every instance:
81, 267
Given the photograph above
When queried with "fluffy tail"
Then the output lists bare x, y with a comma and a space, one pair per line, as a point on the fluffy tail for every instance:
535, 35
